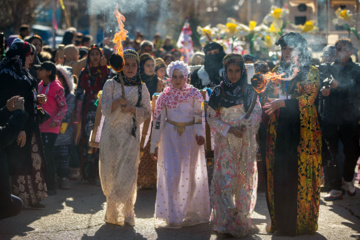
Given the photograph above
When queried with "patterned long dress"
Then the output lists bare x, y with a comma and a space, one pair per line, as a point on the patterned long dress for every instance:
182, 197
235, 177
119, 151
293, 160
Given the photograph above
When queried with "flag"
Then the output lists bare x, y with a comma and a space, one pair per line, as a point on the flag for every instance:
185, 43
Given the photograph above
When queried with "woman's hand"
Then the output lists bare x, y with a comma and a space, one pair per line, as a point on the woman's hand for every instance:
103, 61
21, 139
154, 155
14, 103
122, 101
200, 140
53, 124
273, 105
128, 109
236, 132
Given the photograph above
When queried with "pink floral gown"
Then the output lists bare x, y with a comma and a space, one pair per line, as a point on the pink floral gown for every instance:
234, 183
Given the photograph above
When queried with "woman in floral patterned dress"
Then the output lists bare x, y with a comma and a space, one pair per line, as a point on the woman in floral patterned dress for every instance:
234, 184
293, 143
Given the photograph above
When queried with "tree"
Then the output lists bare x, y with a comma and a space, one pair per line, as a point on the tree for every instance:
13, 13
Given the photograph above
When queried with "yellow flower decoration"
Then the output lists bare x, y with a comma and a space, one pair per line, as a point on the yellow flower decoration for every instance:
276, 13
308, 27
273, 29
252, 25
232, 27
345, 15
268, 42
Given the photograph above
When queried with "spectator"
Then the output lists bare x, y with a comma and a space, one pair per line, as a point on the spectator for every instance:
248, 58
72, 59
16, 118
160, 68
25, 156
36, 40
341, 116
168, 58
167, 44
198, 59
209, 75
56, 107
87, 41
65, 137
68, 38
24, 31
146, 47
78, 39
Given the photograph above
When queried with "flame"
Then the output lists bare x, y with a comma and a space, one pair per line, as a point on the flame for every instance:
271, 76
121, 35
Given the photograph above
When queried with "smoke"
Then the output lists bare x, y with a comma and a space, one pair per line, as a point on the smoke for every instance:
125, 6
145, 16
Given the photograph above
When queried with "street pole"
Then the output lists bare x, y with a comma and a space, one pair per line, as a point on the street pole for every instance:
53, 25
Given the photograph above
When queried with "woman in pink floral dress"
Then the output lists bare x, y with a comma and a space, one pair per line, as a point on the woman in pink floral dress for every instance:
234, 184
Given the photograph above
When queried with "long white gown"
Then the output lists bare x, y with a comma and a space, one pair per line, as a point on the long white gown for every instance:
182, 197
119, 152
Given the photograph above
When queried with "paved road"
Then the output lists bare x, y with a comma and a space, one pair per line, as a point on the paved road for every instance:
78, 214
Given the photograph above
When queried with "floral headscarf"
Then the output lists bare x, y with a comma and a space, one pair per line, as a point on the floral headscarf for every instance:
171, 97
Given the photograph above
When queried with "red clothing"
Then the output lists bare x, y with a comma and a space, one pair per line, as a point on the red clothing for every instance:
55, 105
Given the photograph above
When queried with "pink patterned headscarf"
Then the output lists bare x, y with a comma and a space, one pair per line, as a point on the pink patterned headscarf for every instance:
171, 97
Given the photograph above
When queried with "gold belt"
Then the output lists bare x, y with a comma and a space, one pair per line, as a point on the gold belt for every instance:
180, 127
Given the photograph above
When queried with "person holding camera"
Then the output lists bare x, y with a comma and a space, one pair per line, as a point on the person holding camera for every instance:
341, 116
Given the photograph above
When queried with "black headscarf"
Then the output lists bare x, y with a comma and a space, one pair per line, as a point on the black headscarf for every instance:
150, 80
213, 63
229, 94
14, 61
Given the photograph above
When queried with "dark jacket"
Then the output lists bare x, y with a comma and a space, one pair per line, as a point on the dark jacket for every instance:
343, 103
25, 86
8, 133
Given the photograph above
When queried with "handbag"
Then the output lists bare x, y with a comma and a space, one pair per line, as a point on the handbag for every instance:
42, 115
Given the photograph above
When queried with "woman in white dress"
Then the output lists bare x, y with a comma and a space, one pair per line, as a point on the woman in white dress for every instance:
120, 140
234, 183
182, 197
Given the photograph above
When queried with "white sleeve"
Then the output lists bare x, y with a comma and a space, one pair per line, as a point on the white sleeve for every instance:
198, 117
215, 123
157, 129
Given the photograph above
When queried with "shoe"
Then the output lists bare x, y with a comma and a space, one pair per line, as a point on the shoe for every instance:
350, 188
65, 184
75, 174
333, 195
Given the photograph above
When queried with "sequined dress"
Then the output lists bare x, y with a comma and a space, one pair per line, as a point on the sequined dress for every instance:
119, 152
182, 197
235, 177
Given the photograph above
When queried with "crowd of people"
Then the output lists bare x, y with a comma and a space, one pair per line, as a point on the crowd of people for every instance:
156, 110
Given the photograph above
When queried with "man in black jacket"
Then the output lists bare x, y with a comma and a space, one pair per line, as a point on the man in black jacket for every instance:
10, 205
341, 115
